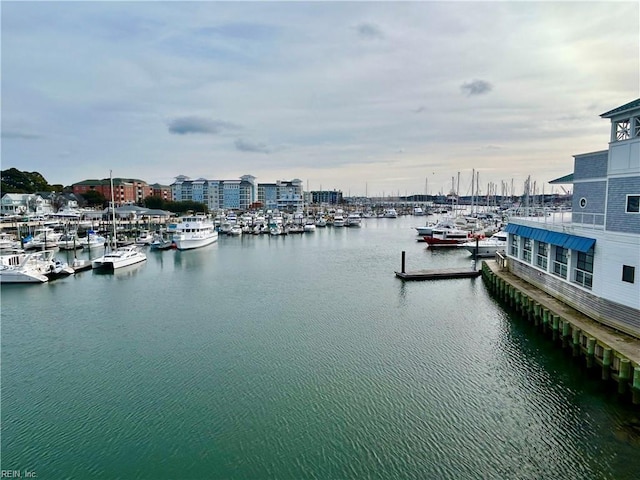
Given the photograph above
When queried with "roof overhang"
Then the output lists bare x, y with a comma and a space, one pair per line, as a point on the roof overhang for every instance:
572, 242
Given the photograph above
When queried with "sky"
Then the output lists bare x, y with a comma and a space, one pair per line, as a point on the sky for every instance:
370, 98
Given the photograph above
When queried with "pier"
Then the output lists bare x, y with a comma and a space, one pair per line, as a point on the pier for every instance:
614, 353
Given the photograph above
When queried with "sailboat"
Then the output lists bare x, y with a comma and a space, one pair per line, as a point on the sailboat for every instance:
121, 256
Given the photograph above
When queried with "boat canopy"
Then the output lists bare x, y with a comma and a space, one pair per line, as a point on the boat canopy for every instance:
573, 242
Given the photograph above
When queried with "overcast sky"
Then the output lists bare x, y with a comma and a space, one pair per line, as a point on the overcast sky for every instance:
365, 97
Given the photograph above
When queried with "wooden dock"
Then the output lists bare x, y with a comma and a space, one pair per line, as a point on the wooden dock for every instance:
439, 274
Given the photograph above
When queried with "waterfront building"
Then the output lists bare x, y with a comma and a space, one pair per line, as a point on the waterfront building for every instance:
125, 190
162, 191
216, 194
592, 261
330, 197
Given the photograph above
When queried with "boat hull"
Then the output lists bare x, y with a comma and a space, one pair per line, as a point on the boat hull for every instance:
183, 243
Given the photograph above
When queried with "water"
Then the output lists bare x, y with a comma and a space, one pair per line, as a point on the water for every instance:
296, 357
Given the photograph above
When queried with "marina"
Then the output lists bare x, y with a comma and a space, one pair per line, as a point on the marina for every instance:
297, 356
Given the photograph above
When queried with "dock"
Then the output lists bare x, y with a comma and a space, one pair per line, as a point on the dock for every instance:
616, 354
439, 274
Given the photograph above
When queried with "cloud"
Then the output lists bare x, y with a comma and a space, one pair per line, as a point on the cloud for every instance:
476, 87
369, 31
20, 135
194, 124
247, 146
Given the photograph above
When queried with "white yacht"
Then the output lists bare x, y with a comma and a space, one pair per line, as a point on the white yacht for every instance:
487, 247
22, 268
338, 219
390, 213
353, 220
194, 231
120, 257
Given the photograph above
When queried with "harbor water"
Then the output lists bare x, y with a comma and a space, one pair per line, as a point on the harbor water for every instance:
296, 357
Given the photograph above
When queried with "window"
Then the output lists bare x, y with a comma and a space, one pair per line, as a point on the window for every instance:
584, 269
623, 130
633, 203
526, 250
541, 255
583, 202
560, 262
628, 273
513, 250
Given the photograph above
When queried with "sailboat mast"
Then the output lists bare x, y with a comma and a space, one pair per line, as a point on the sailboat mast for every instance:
113, 209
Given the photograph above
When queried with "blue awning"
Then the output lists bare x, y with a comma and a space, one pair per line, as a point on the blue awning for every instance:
572, 242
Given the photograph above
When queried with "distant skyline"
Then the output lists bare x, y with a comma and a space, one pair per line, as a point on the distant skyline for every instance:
377, 98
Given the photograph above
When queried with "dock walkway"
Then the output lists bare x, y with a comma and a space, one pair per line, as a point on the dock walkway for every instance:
439, 274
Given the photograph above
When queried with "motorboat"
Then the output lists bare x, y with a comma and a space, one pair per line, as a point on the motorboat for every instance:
32, 267
390, 213
447, 237
194, 231
93, 240
235, 230
353, 220
444, 222
487, 247
118, 258
144, 238
417, 211
338, 219
160, 242
69, 241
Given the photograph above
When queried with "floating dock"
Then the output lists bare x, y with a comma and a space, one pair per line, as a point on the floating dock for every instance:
439, 274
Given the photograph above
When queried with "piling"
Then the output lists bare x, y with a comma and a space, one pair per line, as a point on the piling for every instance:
616, 353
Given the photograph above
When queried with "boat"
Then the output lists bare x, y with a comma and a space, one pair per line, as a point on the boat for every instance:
93, 240
43, 238
444, 222
23, 268
353, 220
32, 267
310, 226
145, 238
118, 258
447, 237
417, 211
160, 242
390, 213
338, 219
487, 247
235, 230
69, 241
194, 231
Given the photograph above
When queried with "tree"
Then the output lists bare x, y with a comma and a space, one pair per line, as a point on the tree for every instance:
154, 202
94, 198
16, 181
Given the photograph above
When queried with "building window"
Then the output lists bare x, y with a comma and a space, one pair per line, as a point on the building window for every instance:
583, 202
628, 273
623, 130
584, 269
633, 203
513, 249
542, 254
636, 128
560, 262
526, 249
